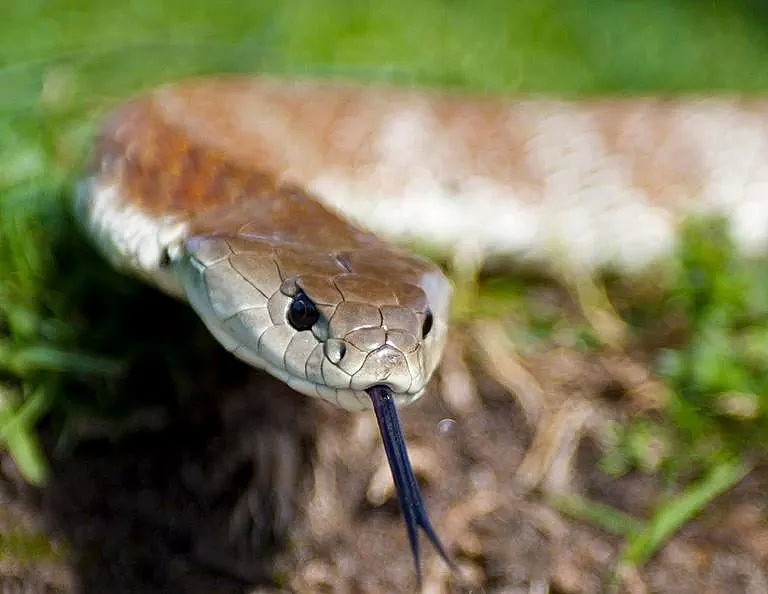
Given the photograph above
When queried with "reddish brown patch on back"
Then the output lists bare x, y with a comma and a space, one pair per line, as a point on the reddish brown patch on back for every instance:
162, 171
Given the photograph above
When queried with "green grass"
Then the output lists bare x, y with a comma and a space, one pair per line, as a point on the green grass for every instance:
62, 64
720, 374
718, 369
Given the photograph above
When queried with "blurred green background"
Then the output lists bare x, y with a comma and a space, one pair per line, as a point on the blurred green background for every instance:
64, 63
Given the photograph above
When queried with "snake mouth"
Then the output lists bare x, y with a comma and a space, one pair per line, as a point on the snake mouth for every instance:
408, 492
347, 398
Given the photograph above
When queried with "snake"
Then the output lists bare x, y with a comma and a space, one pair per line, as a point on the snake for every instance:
271, 206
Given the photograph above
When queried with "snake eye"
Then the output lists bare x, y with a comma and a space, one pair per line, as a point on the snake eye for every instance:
427, 326
302, 313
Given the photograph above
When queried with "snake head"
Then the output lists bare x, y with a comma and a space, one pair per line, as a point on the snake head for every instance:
362, 328
331, 324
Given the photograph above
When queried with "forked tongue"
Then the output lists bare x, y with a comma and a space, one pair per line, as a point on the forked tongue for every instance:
408, 493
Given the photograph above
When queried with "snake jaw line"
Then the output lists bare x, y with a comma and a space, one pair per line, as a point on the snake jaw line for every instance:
408, 492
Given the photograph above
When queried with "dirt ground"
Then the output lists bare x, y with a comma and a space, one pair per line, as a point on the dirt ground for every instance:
223, 480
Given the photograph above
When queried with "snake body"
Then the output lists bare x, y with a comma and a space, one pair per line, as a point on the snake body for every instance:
227, 193
599, 182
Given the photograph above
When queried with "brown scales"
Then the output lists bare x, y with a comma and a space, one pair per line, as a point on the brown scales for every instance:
163, 171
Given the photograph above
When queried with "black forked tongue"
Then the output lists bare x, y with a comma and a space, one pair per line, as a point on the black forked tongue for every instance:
408, 493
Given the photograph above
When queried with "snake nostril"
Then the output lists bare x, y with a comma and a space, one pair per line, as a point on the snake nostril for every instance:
335, 350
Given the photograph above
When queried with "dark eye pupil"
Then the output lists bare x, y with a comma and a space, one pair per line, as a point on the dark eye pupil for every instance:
428, 320
302, 313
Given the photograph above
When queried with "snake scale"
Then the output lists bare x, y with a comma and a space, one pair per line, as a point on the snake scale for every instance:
229, 193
